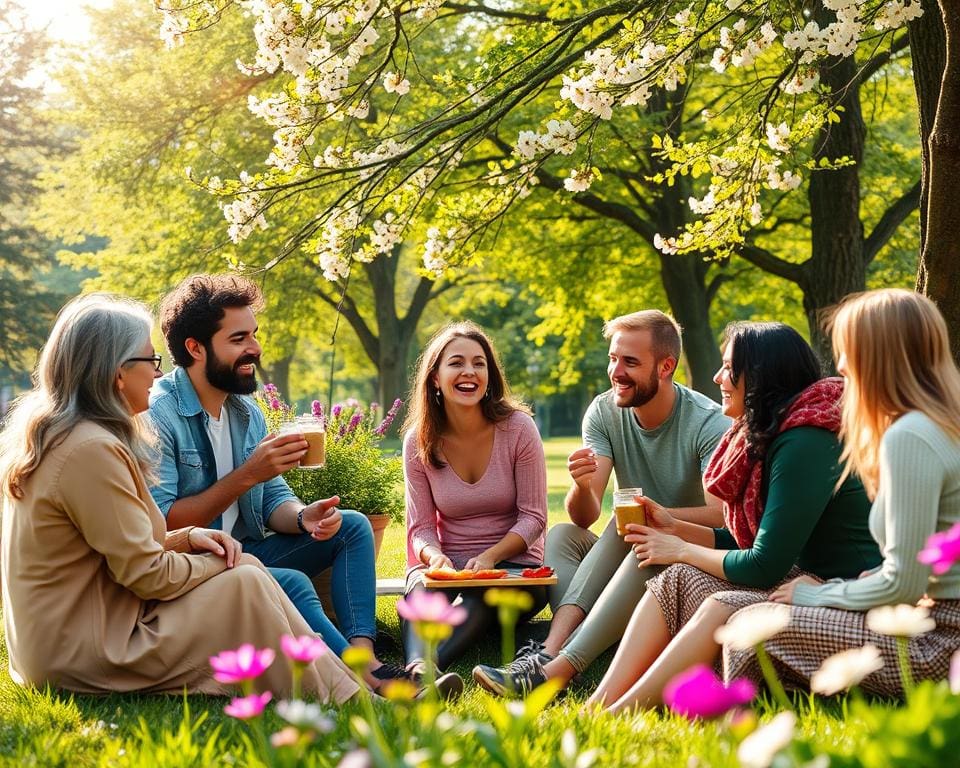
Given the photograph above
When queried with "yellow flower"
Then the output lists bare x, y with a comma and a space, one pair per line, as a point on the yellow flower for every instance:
358, 659
505, 597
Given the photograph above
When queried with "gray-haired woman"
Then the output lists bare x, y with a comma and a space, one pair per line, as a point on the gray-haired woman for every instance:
98, 596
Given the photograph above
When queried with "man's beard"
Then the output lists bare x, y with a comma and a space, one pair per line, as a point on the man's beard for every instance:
226, 378
643, 394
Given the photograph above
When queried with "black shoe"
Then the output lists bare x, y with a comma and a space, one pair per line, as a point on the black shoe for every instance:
520, 677
449, 687
387, 672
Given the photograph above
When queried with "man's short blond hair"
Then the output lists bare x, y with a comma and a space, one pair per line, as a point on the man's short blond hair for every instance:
664, 331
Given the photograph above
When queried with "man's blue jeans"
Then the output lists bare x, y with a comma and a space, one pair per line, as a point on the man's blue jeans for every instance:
353, 586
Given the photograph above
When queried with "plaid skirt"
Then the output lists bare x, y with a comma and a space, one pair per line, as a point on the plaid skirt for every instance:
814, 634
681, 589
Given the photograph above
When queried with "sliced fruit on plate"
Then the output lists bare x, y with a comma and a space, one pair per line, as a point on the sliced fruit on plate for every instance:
537, 573
488, 573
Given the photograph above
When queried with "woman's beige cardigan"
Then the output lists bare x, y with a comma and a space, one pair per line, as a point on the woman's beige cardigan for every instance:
97, 596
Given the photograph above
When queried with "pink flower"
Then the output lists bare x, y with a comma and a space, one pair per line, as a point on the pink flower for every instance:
274, 404
286, 737
432, 607
248, 706
303, 649
316, 408
698, 692
270, 389
942, 550
245, 663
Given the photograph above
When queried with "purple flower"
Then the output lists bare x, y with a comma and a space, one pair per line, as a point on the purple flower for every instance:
352, 402
354, 422
270, 389
384, 425
942, 550
245, 663
275, 404
303, 649
248, 706
336, 410
698, 692
316, 408
431, 607
374, 407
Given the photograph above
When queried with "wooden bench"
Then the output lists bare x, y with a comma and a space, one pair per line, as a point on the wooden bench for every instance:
390, 586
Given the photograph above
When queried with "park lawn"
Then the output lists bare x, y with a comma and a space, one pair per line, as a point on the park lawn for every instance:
50, 729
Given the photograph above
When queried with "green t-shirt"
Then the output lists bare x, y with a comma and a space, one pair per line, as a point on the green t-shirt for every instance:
667, 462
804, 521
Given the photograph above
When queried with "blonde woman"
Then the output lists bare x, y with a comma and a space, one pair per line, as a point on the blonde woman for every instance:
901, 429
97, 595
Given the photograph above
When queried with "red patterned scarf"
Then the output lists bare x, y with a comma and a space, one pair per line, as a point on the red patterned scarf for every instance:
734, 478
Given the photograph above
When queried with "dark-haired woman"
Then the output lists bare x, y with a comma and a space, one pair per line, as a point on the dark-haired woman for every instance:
776, 471
475, 478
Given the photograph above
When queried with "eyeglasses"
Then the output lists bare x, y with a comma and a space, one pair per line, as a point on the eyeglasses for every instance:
156, 360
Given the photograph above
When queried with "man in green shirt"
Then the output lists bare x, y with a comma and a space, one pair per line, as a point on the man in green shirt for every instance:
653, 434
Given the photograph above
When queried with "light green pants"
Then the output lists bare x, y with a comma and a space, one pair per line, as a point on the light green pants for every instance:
600, 576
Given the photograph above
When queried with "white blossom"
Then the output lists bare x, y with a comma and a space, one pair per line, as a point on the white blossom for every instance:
394, 83
747, 629
846, 669
900, 620
761, 746
579, 180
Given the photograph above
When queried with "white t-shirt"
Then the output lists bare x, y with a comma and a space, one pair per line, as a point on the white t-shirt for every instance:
219, 432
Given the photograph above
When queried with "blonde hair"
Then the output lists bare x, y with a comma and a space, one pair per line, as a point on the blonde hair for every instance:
665, 333
897, 360
427, 417
76, 380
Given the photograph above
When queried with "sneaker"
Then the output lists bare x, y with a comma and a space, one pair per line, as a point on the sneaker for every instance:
531, 648
517, 679
449, 687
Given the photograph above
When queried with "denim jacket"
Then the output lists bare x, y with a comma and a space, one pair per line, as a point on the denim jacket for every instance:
187, 465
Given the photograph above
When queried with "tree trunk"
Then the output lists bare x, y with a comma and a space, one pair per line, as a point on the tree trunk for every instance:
938, 275
837, 265
928, 49
278, 374
684, 281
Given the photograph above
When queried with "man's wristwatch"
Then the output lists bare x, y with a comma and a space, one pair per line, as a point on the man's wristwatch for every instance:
300, 524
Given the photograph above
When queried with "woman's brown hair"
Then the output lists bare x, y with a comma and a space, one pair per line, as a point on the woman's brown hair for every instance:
426, 417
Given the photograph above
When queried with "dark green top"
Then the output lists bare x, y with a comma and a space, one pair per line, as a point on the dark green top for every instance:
804, 521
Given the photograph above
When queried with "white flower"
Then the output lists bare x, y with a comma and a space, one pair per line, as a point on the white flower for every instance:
747, 629
761, 746
900, 620
304, 715
845, 669
777, 136
393, 83
579, 180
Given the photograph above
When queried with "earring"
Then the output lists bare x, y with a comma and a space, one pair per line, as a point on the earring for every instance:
437, 395
486, 395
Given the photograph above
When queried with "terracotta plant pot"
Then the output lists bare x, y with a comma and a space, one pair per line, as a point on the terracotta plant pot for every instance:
379, 524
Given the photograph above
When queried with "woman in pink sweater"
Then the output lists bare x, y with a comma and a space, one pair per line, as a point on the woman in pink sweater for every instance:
475, 477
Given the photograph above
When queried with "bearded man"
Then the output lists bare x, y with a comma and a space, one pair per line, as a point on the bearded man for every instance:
220, 469
653, 434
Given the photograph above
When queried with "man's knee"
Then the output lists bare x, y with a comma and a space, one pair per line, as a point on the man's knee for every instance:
566, 540
355, 524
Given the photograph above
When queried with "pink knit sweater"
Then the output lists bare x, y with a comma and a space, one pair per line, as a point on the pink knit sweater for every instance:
464, 519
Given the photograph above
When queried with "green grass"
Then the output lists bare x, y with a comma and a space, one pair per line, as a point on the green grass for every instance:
50, 729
